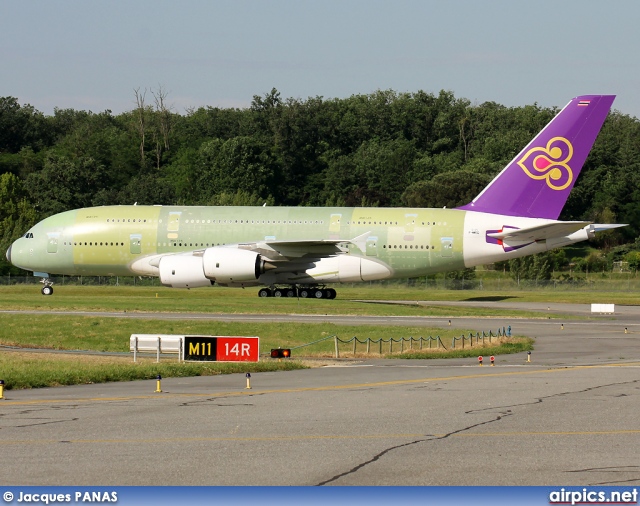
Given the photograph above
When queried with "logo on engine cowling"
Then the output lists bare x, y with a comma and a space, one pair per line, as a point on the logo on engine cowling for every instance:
550, 163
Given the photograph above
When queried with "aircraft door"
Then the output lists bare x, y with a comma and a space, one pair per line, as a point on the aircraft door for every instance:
446, 246
173, 225
52, 242
409, 226
372, 246
135, 244
334, 226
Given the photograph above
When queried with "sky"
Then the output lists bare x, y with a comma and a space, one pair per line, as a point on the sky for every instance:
93, 54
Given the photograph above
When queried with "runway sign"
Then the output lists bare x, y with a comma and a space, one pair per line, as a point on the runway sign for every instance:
222, 348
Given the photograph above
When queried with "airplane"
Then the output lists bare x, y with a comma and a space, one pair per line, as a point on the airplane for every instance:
296, 251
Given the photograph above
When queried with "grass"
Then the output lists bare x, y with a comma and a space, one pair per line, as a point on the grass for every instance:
111, 335
502, 346
237, 301
72, 332
36, 370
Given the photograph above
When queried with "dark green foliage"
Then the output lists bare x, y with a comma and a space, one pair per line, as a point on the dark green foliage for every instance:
449, 189
532, 268
16, 215
464, 279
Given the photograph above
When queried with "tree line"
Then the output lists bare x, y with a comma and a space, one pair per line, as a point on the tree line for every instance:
380, 149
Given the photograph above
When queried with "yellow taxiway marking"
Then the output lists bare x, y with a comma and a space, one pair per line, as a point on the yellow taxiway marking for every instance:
378, 384
322, 437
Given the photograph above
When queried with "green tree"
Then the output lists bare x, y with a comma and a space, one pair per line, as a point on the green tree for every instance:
65, 183
17, 214
21, 126
449, 189
464, 279
240, 163
531, 268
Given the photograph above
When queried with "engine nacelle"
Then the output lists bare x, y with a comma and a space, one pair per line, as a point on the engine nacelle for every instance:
182, 271
347, 268
231, 265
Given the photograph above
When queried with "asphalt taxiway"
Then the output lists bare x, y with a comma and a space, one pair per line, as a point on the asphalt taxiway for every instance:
568, 417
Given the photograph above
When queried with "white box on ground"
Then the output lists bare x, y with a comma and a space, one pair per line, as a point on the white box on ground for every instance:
603, 308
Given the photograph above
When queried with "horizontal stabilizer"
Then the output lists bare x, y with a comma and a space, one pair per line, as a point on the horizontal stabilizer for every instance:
601, 227
540, 232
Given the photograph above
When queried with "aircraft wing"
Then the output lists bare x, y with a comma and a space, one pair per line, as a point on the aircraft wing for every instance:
307, 250
540, 232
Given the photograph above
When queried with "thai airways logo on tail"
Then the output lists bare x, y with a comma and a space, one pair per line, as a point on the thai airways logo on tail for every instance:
550, 163
537, 182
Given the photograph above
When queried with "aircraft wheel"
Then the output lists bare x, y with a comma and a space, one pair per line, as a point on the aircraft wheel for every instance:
318, 294
47, 290
277, 293
331, 293
264, 292
290, 292
304, 293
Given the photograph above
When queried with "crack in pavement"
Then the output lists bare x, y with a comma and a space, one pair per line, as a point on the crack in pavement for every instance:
614, 470
43, 423
504, 412
411, 443
540, 400
6, 417
210, 402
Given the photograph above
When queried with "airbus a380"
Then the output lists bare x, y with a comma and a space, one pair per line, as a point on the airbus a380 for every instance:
297, 250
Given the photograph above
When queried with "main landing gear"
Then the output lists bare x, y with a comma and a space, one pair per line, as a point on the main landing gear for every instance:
47, 289
306, 292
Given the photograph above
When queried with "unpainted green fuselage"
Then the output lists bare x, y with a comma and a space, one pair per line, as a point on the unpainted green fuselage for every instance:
108, 240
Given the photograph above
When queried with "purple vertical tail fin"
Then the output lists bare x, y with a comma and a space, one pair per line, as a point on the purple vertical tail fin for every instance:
538, 180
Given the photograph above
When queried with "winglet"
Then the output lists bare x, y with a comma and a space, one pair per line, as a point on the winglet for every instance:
538, 180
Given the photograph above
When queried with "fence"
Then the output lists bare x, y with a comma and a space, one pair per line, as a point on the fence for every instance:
368, 341
420, 342
83, 280
595, 282
480, 337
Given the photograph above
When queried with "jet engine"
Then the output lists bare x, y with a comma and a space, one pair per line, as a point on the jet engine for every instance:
230, 265
182, 271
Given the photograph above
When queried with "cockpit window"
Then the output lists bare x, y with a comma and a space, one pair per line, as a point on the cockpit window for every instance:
28, 235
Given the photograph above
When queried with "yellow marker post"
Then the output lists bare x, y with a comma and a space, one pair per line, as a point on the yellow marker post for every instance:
1, 389
562, 326
158, 389
528, 356
625, 330
248, 381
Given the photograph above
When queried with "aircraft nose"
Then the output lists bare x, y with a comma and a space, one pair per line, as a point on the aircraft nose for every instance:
9, 254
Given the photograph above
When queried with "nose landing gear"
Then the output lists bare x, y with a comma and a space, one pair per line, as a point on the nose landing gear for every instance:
47, 289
